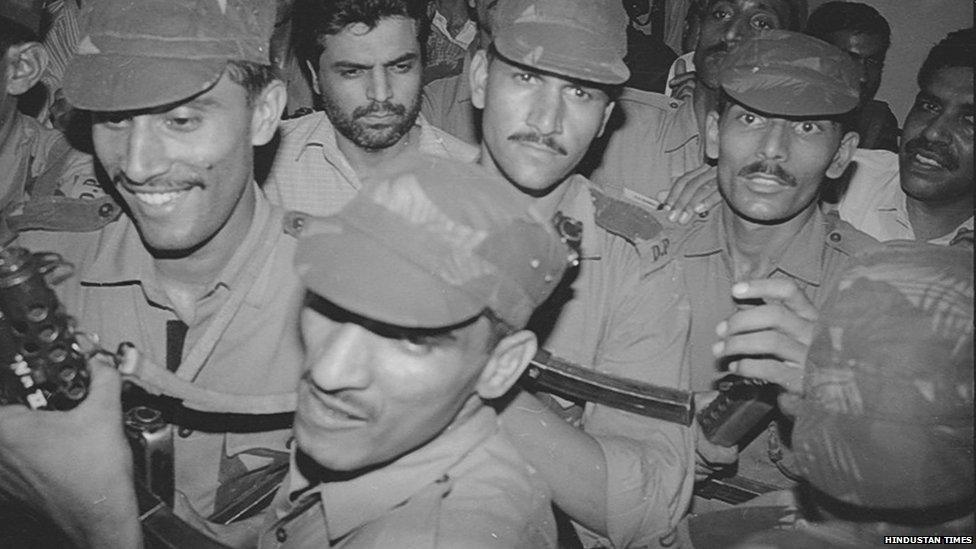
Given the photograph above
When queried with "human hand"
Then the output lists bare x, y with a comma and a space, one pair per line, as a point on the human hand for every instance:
710, 458
75, 466
770, 341
683, 83
693, 193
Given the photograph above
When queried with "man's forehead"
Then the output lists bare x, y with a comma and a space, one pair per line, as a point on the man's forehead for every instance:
735, 106
355, 35
568, 80
781, 7
954, 83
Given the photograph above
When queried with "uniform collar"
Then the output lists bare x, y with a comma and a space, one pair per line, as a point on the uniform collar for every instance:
349, 504
800, 258
121, 258
684, 127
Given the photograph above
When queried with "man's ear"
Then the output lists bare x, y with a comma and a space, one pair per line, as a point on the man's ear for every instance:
478, 78
711, 134
607, 111
505, 365
26, 63
266, 116
844, 154
313, 77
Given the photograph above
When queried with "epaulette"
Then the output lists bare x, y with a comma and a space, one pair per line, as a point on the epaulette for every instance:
649, 99
844, 237
63, 214
627, 220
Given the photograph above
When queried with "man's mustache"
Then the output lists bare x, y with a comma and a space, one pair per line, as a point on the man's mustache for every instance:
941, 151
382, 108
720, 47
768, 168
545, 140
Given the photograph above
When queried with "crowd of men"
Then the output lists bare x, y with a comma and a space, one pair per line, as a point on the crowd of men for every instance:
334, 314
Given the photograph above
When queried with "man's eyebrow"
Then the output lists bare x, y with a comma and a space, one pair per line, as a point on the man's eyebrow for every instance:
351, 65
402, 59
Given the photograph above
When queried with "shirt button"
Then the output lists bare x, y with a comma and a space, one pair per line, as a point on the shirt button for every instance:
184, 432
298, 223
105, 210
281, 535
835, 237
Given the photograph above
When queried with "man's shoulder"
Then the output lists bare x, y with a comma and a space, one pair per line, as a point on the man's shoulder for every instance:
440, 142
648, 102
845, 239
295, 133
635, 223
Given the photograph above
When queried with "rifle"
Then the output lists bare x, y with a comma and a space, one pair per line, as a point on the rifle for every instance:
44, 368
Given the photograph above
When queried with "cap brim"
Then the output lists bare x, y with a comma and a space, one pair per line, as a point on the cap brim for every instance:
786, 95
551, 50
367, 278
119, 83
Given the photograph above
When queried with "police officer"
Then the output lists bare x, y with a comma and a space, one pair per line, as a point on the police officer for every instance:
196, 273
759, 267
546, 86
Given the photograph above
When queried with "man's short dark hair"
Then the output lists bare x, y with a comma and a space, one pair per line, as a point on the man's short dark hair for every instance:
848, 16
798, 12
253, 77
847, 120
313, 20
955, 50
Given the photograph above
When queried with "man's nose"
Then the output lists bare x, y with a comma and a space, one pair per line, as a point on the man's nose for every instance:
775, 144
343, 360
145, 151
546, 114
379, 86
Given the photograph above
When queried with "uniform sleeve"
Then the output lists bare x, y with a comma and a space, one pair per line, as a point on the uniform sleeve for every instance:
650, 463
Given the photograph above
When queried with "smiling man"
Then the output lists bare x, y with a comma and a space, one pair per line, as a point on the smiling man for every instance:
196, 272
926, 191
758, 268
365, 60
417, 295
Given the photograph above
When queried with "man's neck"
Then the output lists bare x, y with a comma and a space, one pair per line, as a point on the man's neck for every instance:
546, 205
187, 278
704, 100
935, 220
754, 247
365, 161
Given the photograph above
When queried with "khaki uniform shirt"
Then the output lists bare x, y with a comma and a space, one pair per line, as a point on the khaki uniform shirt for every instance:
39, 161
243, 339
310, 174
468, 488
607, 316
655, 142
702, 270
